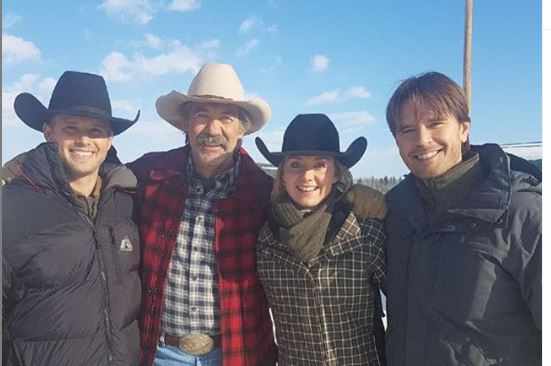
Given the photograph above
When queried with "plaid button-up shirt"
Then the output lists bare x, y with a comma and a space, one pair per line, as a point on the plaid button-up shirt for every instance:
191, 292
245, 325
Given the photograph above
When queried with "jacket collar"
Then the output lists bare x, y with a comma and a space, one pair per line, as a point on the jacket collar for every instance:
488, 200
42, 168
492, 197
173, 165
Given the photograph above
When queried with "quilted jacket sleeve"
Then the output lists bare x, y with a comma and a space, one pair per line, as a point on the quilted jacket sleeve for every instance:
524, 260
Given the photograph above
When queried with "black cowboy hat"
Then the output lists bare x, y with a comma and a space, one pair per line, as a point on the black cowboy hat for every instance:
314, 134
75, 94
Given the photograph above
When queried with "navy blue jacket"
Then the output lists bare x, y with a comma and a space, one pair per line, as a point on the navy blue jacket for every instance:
70, 288
466, 290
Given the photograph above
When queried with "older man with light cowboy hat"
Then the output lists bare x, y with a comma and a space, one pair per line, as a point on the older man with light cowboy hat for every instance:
201, 208
70, 252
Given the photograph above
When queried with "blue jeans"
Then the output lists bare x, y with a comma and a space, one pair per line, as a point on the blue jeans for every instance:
173, 356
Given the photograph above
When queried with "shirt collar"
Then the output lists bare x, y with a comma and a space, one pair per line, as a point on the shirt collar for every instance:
221, 184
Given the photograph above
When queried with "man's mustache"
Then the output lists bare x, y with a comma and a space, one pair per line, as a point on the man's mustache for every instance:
206, 139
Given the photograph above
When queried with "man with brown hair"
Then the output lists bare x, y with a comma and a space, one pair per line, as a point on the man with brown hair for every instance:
464, 239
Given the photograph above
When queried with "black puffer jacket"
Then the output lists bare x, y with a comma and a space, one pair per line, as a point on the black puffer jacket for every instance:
467, 290
71, 289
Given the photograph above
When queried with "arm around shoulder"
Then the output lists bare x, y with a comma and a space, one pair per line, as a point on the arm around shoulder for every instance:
366, 202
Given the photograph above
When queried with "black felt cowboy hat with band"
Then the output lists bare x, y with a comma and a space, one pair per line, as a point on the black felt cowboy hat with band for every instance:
314, 134
75, 94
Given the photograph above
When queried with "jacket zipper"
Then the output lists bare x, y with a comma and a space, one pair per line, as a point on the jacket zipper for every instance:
105, 285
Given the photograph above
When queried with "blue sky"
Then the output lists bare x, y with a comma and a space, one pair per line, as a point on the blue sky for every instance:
340, 58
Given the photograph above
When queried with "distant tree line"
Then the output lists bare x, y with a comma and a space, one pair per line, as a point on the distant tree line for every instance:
382, 184
385, 184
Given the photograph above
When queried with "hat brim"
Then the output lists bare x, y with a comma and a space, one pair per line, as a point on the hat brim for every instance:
168, 107
34, 114
348, 158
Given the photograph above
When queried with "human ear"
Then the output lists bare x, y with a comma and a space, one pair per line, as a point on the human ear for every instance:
47, 131
464, 131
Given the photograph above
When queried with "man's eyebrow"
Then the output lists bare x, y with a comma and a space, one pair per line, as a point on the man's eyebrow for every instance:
404, 124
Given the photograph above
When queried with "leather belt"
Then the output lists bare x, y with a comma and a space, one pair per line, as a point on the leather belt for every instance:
194, 344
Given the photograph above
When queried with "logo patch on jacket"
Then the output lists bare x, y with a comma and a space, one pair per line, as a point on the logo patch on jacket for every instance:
126, 245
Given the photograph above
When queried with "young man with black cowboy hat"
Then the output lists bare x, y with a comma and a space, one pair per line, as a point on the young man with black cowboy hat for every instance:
464, 239
200, 209
321, 258
70, 251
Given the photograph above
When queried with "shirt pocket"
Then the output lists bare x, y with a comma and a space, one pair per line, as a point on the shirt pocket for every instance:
125, 248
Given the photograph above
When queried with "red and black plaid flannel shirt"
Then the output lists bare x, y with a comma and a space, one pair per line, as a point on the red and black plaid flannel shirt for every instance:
245, 324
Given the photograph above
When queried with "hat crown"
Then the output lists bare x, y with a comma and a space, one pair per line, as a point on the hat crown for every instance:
78, 89
76, 94
311, 132
217, 80
314, 134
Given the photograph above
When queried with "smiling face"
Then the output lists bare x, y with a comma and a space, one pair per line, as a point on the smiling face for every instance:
308, 180
83, 143
429, 144
214, 131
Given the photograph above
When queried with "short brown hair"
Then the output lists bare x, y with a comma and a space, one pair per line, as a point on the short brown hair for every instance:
433, 89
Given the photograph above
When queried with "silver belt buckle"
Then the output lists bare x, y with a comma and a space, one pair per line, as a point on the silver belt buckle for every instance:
196, 344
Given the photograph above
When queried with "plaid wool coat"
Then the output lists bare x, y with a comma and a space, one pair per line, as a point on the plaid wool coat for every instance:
245, 324
327, 311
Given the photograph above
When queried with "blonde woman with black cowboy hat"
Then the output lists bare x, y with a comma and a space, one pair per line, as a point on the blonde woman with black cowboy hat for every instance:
320, 256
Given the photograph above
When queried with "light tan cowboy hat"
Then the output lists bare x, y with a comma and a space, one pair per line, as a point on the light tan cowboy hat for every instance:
214, 83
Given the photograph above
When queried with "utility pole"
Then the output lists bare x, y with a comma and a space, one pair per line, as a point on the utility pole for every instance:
467, 51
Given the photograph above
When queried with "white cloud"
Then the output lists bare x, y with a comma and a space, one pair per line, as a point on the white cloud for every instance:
248, 24
178, 59
15, 49
256, 24
352, 119
123, 107
213, 43
153, 41
184, 5
171, 57
356, 92
9, 20
30, 83
324, 98
320, 63
247, 47
338, 95
117, 67
138, 11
